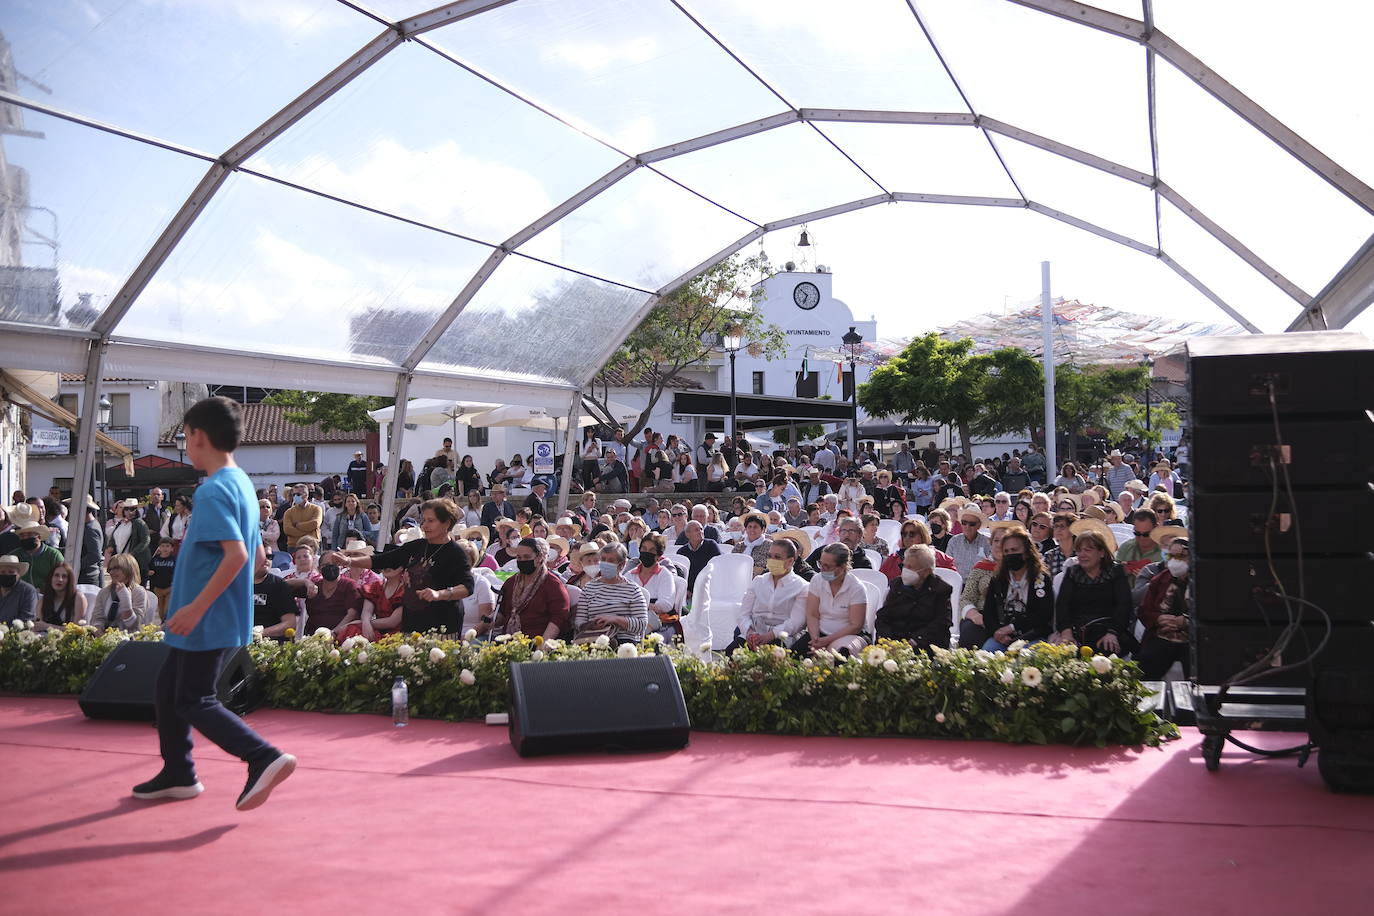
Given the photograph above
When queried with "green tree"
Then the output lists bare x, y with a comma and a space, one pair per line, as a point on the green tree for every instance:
943, 381
1128, 421
680, 331
332, 411
1095, 397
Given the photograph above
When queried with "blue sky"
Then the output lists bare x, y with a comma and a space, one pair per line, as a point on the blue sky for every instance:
432, 142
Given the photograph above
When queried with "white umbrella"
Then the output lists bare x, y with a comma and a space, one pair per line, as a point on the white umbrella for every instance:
532, 417
434, 411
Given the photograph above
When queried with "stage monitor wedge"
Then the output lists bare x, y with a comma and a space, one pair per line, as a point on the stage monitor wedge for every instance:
125, 684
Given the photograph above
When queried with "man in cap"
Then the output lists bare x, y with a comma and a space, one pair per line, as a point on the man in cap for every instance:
1119, 474
497, 507
357, 474
535, 500
814, 489
18, 599
969, 547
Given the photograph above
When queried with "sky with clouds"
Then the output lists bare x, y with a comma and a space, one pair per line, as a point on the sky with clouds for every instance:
439, 144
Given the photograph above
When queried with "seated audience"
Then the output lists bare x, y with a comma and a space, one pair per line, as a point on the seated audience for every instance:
774, 604
274, 601
534, 601
972, 632
1093, 607
836, 606
1020, 598
1164, 612
123, 603
658, 582
698, 551
60, 603
611, 605
917, 606
755, 542
18, 599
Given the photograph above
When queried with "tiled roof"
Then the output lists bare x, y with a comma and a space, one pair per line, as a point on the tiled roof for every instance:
266, 424
616, 378
81, 377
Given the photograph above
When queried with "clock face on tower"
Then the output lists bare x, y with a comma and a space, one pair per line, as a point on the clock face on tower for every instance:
806, 295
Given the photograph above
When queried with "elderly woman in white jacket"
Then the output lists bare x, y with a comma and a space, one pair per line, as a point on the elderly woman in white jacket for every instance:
124, 604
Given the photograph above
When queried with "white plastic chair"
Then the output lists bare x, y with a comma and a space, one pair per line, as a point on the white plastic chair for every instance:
1122, 532
956, 584
1058, 578
718, 594
874, 578
574, 596
890, 530
152, 605
812, 531
90, 591
680, 563
672, 550
875, 601
679, 593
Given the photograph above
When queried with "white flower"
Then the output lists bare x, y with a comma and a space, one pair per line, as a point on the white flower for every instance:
705, 647
334, 654
436, 655
627, 650
875, 655
1017, 646
54, 634
504, 637
808, 663
17, 624
467, 678
890, 666
257, 630
324, 633
536, 656
654, 638
779, 652
853, 685
1030, 676
603, 641
782, 635
470, 635
983, 655
1101, 664
1007, 676
28, 624
362, 658
552, 644
27, 636
940, 717
405, 650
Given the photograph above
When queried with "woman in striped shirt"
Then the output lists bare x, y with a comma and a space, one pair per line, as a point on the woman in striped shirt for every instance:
611, 604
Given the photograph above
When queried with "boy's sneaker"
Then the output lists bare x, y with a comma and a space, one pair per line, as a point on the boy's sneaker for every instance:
263, 778
164, 786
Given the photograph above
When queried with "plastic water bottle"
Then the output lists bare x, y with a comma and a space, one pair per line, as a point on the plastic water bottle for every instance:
400, 703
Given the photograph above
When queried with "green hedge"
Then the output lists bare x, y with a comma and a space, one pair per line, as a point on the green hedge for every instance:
1040, 694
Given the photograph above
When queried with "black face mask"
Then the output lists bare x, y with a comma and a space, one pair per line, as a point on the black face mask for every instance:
329, 571
526, 566
648, 559
9, 580
937, 530
1014, 561
30, 545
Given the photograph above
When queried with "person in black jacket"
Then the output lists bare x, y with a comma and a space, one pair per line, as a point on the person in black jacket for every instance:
1020, 599
1093, 607
917, 606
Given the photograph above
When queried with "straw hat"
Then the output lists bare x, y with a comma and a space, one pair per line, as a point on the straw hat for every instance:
1070, 497
954, 503
21, 513
588, 548
356, 546
1137, 485
476, 533
1163, 534
1114, 513
801, 538
10, 561
91, 504
404, 536
1003, 525
502, 524
560, 542
1095, 512
1095, 526
32, 529
130, 503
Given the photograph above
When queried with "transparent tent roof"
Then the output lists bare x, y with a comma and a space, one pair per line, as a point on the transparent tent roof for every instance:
487, 196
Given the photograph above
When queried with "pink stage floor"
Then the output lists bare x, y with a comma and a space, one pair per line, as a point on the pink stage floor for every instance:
439, 818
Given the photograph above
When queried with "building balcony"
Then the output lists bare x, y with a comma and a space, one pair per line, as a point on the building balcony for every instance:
126, 436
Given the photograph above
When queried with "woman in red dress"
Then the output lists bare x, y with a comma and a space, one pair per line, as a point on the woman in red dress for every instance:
382, 594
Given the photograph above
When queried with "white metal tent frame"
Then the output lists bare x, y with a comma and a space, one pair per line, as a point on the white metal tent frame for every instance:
101, 350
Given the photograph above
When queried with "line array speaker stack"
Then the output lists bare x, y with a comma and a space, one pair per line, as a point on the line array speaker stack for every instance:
1249, 534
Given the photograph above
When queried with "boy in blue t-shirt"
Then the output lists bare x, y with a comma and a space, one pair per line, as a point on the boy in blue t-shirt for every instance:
210, 615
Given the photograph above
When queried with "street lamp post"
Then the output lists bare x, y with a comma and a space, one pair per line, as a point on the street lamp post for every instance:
732, 340
1149, 371
851, 340
103, 409
180, 439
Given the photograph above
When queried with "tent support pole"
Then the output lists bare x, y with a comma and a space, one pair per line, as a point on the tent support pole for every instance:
574, 416
85, 439
1047, 325
393, 461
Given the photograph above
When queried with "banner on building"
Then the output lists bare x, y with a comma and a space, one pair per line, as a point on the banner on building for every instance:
50, 442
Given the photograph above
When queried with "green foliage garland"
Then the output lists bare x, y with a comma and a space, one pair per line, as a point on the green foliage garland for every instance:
1039, 694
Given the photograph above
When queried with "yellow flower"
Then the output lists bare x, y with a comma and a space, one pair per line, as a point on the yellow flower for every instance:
1085, 652
290, 633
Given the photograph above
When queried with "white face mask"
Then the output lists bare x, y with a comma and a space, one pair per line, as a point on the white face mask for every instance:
1178, 568
910, 577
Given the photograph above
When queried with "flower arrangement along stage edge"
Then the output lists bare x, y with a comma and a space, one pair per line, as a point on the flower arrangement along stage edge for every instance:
1039, 694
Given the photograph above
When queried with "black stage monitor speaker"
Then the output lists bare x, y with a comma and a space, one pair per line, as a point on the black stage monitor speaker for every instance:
599, 704
126, 682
